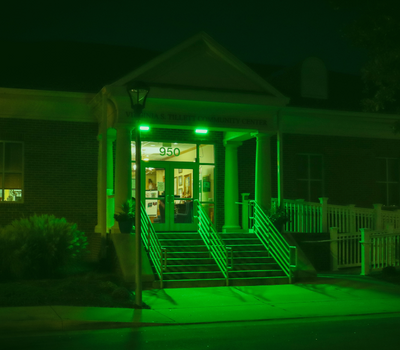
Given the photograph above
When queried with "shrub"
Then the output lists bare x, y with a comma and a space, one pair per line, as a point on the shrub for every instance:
40, 247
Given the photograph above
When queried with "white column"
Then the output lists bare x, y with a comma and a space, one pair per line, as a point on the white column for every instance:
263, 171
100, 209
111, 136
123, 172
231, 187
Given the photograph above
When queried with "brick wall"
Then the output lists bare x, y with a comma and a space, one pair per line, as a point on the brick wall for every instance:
350, 171
60, 170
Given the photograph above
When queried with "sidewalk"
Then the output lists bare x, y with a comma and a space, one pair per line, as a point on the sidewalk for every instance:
330, 295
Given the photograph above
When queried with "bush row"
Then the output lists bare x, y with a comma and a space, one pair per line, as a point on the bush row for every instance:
40, 247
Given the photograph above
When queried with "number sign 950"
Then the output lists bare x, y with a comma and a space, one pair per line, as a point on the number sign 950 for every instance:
169, 151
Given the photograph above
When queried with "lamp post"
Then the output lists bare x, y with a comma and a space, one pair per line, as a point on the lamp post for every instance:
137, 92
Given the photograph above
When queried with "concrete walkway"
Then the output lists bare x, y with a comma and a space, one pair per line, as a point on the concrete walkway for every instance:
330, 295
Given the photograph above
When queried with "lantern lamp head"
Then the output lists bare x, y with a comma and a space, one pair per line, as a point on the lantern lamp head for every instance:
137, 92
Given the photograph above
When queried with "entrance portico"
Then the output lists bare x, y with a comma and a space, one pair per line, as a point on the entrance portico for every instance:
196, 85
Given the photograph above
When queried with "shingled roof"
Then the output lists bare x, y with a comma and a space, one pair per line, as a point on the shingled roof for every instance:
82, 67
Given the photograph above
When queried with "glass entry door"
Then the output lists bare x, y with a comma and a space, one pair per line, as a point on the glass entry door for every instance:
168, 193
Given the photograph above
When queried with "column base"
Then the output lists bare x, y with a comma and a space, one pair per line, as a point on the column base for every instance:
231, 229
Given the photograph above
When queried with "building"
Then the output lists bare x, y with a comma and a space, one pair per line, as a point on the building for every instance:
298, 135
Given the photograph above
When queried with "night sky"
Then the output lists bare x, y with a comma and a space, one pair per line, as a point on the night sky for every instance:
281, 32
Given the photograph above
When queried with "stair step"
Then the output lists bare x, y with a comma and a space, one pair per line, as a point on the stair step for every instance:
186, 248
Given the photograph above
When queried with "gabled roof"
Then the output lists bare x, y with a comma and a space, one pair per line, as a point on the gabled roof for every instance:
200, 63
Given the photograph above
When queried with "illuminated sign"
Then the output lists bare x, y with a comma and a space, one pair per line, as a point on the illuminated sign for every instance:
169, 151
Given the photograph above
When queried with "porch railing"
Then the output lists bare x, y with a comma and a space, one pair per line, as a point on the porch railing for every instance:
369, 249
284, 254
157, 253
222, 254
314, 217
379, 250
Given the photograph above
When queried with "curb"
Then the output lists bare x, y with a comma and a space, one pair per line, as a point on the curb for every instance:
73, 325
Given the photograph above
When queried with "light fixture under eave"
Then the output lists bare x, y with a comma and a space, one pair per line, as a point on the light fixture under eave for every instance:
201, 131
144, 128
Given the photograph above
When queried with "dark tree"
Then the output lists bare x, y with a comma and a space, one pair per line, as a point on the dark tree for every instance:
376, 28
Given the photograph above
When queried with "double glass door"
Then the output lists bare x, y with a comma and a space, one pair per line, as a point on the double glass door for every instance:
168, 193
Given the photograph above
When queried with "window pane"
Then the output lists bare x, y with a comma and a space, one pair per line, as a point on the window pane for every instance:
1, 158
315, 191
155, 182
206, 177
183, 212
302, 190
393, 170
155, 210
393, 194
382, 169
172, 152
316, 167
206, 153
12, 181
382, 188
13, 195
13, 157
302, 166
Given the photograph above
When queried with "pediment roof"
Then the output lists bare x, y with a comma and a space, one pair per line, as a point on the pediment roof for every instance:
200, 63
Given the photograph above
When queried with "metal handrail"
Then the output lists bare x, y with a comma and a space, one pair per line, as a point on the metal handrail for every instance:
214, 243
157, 253
284, 254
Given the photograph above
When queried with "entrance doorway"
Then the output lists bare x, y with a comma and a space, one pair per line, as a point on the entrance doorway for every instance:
168, 193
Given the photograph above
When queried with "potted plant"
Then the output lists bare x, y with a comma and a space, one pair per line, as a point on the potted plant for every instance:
279, 218
126, 217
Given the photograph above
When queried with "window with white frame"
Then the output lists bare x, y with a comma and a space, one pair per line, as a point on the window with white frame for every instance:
310, 184
11, 171
388, 181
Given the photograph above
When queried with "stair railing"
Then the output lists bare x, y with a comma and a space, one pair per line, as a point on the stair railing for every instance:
284, 254
157, 253
222, 254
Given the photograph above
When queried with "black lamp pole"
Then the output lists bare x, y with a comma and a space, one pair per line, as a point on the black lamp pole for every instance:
138, 93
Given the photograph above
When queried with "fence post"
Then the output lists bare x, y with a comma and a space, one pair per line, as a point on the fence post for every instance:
324, 214
333, 232
300, 212
352, 218
245, 211
365, 251
378, 217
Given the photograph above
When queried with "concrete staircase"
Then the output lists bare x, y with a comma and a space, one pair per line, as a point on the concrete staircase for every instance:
190, 265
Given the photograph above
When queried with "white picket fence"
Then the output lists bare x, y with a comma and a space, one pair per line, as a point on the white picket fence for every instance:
318, 217
368, 249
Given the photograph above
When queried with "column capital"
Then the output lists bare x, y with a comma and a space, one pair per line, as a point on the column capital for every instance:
234, 144
259, 135
125, 126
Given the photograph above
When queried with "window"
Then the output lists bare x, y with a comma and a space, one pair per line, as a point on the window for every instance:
309, 177
11, 171
388, 181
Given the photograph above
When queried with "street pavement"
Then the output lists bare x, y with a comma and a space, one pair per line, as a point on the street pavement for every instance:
330, 295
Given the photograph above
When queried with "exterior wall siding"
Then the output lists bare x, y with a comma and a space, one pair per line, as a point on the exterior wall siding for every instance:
60, 170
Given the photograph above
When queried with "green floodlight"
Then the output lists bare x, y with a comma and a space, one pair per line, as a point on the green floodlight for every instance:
144, 128
201, 131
